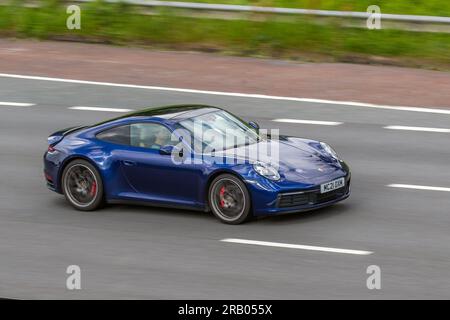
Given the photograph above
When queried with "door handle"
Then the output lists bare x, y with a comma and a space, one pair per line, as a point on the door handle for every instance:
129, 163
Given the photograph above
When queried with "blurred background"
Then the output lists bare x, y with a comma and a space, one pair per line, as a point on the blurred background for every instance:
305, 37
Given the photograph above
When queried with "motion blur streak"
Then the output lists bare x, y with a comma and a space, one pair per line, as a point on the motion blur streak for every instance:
406, 128
428, 188
323, 123
15, 104
296, 246
83, 108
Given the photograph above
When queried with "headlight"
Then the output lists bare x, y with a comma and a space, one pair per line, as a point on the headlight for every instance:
266, 170
329, 150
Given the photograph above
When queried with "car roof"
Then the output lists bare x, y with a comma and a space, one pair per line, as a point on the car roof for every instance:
174, 113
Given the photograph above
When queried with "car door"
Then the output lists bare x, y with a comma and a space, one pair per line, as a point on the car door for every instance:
154, 175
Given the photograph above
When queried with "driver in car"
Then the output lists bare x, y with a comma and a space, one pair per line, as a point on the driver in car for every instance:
162, 138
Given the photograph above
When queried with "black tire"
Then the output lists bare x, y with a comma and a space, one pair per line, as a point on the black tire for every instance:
229, 199
82, 185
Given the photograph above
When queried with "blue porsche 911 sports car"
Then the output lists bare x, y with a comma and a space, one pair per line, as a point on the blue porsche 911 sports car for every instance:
196, 157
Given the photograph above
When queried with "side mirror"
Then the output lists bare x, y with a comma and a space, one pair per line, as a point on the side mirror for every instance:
166, 150
254, 125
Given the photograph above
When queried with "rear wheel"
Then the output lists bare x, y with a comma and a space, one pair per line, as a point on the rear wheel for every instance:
82, 185
229, 199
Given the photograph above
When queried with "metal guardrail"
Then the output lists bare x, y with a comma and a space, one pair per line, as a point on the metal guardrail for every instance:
273, 10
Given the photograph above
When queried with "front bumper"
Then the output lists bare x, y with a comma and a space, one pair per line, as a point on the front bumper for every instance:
266, 202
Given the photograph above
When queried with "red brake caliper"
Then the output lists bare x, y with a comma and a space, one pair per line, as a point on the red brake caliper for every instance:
93, 188
221, 195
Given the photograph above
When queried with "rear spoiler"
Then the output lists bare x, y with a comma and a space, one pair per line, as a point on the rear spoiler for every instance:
56, 137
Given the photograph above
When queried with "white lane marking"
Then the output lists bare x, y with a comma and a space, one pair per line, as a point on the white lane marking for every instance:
322, 123
83, 108
233, 94
424, 129
296, 246
416, 187
15, 104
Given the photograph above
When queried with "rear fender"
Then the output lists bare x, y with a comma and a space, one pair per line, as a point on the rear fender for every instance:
57, 136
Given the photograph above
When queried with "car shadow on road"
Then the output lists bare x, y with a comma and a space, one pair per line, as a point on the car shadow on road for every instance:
125, 208
340, 209
195, 216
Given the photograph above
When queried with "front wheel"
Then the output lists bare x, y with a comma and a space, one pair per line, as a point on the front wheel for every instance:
229, 199
82, 185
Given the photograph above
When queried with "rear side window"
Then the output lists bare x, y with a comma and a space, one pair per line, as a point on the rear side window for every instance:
118, 135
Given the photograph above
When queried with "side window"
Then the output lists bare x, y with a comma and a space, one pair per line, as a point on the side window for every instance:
119, 135
150, 135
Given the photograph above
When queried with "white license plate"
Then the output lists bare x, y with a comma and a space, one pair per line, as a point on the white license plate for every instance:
333, 185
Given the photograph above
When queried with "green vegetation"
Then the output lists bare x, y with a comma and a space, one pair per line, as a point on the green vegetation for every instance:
420, 7
300, 39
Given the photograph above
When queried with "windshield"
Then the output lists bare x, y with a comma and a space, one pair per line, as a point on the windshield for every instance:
219, 131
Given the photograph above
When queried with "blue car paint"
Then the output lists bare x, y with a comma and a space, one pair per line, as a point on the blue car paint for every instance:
135, 174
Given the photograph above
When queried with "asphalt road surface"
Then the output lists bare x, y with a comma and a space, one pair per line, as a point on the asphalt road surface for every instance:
142, 252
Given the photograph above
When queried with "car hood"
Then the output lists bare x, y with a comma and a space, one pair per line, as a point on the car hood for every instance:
300, 160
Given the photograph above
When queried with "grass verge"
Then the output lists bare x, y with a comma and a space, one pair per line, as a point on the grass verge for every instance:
301, 39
